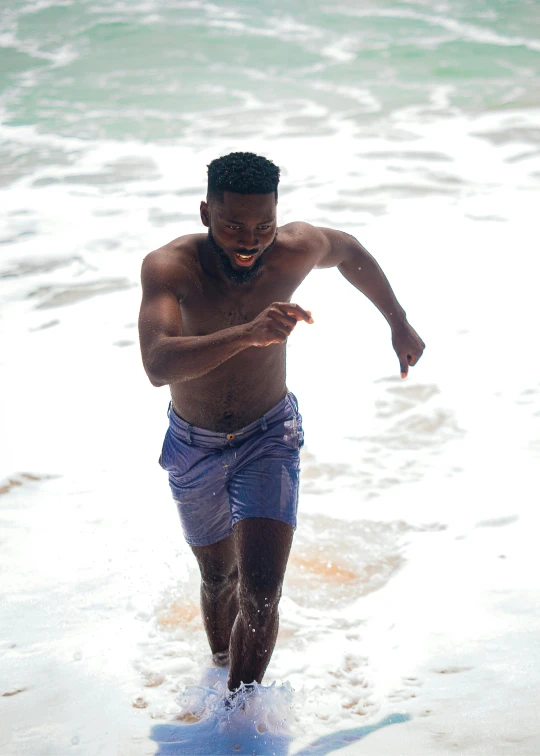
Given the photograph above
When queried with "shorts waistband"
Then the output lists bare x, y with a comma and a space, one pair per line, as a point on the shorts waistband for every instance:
187, 430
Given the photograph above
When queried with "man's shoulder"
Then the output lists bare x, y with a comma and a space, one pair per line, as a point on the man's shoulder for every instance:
298, 231
175, 254
173, 261
307, 243
180, 250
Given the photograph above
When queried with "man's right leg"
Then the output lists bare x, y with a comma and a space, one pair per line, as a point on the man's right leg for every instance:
263, 547
219, 594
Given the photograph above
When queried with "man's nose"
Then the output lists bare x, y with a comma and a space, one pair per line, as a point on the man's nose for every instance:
248, 240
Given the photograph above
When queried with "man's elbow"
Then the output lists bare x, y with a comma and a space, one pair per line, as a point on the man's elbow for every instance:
154, 370
155, 379
157, 382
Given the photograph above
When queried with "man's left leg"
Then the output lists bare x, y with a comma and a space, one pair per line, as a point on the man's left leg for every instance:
262, 549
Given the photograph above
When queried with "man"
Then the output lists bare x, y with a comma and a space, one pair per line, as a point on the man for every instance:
214, 319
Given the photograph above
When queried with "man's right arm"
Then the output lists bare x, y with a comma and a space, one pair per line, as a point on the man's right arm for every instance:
167, 355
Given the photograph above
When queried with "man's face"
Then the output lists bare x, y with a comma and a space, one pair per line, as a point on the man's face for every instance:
241, 231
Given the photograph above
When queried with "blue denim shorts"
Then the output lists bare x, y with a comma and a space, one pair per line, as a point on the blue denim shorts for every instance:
217, 479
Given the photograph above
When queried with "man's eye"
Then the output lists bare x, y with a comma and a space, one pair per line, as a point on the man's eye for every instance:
238, 228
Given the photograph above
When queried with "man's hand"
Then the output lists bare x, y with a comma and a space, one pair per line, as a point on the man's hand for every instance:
275, 324
408, 346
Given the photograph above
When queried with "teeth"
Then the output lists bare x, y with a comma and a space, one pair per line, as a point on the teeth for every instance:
245, 257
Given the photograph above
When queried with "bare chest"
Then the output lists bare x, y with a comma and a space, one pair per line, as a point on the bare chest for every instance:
208, 310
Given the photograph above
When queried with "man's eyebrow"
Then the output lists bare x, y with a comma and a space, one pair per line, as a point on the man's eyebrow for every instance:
241, 223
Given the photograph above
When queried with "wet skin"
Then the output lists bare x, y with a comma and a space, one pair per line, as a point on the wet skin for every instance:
214, 327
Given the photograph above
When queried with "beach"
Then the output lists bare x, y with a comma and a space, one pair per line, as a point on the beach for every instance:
409, 622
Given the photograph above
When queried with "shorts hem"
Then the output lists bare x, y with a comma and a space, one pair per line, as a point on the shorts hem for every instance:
265, 516
207, 541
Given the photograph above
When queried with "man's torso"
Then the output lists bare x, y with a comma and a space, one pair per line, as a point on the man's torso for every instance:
247, 385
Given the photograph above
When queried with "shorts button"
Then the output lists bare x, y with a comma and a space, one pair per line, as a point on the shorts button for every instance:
230, 436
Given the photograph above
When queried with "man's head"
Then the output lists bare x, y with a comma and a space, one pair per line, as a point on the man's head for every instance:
240, 212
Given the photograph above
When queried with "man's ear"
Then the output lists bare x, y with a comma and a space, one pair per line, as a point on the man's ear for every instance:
205, 214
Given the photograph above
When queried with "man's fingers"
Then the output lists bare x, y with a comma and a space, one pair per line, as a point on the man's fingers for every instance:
296, 311
412, 359
404, 365
408, 346
415, 358
282, 317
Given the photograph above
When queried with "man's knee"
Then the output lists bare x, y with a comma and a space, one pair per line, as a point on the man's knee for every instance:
259, 594
216, 580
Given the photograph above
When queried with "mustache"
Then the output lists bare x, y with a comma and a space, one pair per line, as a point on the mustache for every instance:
243, 250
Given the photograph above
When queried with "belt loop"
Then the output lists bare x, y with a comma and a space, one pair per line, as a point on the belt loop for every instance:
188, 433
169, 409
264, 426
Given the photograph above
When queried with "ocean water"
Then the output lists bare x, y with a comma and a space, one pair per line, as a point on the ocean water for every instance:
409, 620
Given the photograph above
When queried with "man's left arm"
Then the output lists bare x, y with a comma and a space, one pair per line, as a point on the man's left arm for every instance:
363, 271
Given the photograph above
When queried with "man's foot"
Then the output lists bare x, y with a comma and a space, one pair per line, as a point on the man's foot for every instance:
221, 659
237, 699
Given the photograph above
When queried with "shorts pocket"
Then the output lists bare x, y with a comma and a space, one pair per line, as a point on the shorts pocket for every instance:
298, 428
293, 434
187, 464
298, 431
164, 450
175, 455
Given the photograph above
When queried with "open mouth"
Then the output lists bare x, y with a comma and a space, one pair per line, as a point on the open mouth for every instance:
245, 260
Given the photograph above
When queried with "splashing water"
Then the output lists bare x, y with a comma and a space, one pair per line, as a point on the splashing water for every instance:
212, 721
269, 706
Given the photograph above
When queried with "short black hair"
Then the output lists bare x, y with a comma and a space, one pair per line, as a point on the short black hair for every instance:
243, 173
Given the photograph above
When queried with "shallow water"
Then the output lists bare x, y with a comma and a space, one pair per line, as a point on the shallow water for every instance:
411, 594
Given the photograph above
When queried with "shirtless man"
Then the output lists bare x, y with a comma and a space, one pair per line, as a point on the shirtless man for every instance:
215, 317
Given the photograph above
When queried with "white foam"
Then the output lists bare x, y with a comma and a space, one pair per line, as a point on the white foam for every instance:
460, 29
429, 484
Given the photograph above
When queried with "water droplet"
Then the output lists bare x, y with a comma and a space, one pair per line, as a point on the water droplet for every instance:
359, 268
75, 740
253, 630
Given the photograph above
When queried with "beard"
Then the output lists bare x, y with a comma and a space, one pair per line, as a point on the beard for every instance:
240, 276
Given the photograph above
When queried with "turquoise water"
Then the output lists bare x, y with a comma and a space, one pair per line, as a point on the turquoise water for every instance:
161, 71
